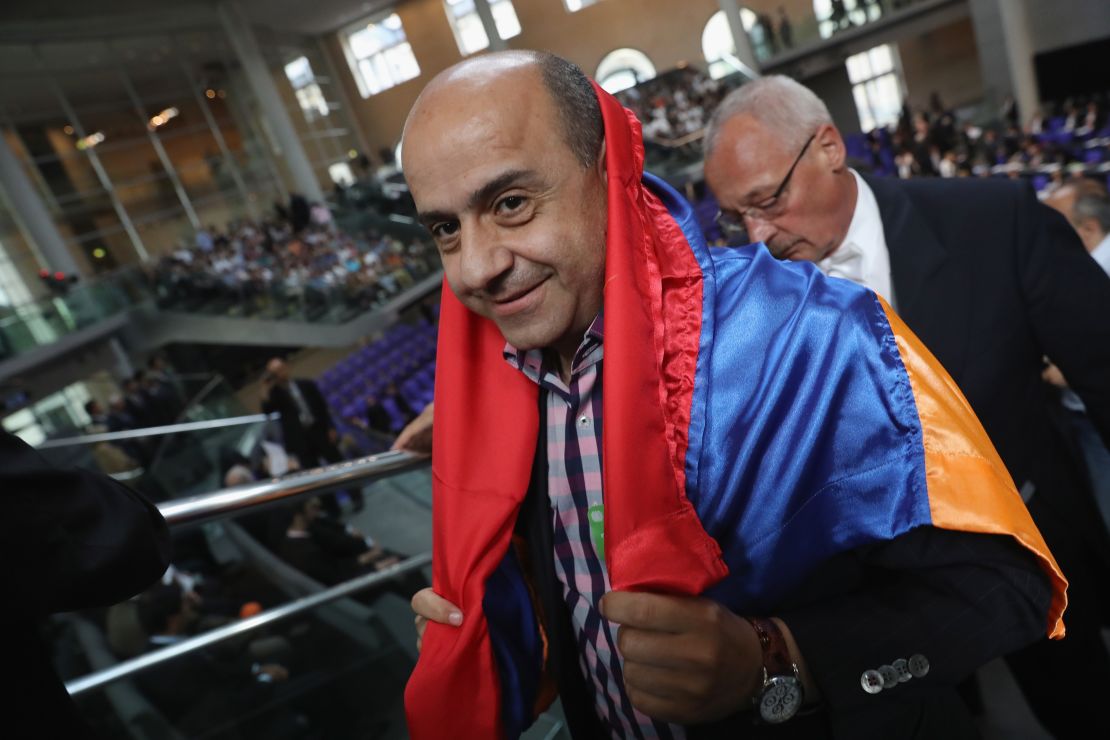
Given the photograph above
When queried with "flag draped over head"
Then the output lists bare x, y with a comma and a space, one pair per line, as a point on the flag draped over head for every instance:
485, 437
734, 492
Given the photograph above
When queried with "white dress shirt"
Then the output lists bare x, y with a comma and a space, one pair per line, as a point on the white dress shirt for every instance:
863, 257
1101, 254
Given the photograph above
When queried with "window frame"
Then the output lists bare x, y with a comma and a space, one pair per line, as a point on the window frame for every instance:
354, 62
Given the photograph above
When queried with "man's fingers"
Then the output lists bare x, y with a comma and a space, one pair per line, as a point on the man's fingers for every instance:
417, 435
426, 603
649, 611
661, 682
660, 649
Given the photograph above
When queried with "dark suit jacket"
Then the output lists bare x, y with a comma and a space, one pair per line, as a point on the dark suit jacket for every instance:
991, 281
958, 598
69, 539
307, 443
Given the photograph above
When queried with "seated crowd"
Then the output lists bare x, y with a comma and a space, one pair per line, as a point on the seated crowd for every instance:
268, 267
1073, 136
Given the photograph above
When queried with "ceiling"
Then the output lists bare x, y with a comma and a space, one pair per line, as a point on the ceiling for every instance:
83, 45
33, 20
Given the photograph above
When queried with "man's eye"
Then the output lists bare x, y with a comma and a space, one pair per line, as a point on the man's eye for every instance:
510, 203
766, 205
444, 229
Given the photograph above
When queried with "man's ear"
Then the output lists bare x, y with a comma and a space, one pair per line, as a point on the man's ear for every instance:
600, 164
829, 141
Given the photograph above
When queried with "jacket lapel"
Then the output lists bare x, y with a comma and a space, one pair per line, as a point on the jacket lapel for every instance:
931, 288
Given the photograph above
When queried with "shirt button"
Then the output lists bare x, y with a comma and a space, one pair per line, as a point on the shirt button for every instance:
918, 665
871, 681
584, 421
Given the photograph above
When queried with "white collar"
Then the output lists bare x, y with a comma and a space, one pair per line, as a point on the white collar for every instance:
863, 257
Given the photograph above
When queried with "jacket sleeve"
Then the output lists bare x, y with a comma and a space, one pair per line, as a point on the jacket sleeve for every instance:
959, 599
319, 405
71, 538
1068, 296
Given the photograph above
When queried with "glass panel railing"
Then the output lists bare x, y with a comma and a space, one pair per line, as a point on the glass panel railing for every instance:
336, 670
209, 428
73, 307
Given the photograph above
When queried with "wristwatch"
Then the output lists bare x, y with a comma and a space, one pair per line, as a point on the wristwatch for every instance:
782, 694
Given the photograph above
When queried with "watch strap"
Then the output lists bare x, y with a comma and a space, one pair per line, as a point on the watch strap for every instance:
776, 656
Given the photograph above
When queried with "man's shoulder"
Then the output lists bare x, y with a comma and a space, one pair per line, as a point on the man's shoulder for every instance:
953, 191
957, 207
749, 279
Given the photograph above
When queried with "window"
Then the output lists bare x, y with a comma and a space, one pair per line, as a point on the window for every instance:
719, 47
380, 55
309, 95
624, 68
470, 35
876, 86
574, 6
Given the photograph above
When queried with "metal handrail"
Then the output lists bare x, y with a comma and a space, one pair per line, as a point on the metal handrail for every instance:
209, 506
188, 426
243, 626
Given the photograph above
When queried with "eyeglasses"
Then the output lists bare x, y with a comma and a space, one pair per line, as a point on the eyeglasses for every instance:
731, 222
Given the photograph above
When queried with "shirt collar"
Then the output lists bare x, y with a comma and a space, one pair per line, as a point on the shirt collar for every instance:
849, 259
533, 365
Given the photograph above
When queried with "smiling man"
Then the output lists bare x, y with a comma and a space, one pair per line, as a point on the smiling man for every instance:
696, 493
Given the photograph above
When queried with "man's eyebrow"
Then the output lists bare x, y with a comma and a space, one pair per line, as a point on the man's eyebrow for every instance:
480, 196
503, 181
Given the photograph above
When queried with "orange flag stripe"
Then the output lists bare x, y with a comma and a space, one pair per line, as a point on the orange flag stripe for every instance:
969, 487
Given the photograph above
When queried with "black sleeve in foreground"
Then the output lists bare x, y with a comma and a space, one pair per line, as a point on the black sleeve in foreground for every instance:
959, 599
70, 538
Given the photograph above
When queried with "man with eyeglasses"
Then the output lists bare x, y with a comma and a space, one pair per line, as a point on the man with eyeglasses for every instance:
992, 282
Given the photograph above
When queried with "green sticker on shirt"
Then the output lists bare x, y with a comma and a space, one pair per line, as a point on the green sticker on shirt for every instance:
596, 515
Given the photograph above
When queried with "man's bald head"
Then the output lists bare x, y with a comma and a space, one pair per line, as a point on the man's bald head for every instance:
504, 157
568, 86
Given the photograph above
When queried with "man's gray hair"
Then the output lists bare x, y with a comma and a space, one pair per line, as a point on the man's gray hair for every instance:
1096, 206
778, 102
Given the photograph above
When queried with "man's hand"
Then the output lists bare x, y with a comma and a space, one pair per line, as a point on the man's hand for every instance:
430, 607
417, 435
686, 660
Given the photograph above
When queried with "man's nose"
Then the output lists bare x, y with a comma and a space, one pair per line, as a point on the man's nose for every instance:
759, 230
483, 258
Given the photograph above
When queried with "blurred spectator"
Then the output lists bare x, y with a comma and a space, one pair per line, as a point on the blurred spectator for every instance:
307, 429
209, 687
1092, 220
328, 552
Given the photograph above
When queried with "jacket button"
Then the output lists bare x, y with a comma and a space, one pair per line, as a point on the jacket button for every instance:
871, 681
919, 665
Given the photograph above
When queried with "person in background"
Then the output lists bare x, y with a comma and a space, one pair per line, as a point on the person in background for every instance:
307, 429
991, 281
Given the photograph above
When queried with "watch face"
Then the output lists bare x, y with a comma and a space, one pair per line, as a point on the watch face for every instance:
781, 699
